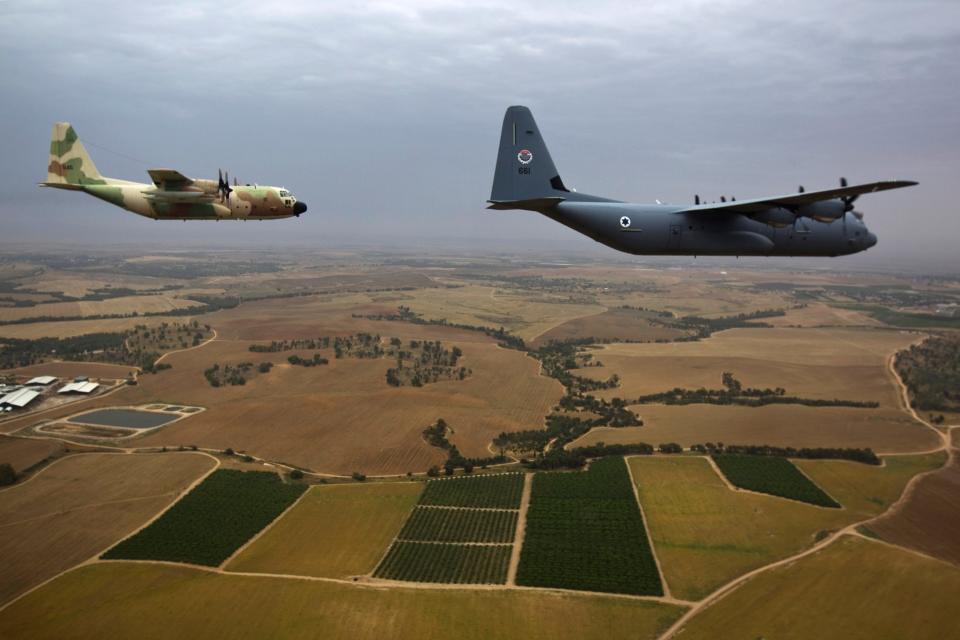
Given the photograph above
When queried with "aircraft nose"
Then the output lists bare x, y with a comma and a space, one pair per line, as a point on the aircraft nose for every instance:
299, 207
870, 240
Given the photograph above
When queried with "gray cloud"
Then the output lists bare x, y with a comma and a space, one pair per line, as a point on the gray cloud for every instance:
384, 116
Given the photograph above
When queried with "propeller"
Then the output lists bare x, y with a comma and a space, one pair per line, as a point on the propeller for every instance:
849, 200
223, 185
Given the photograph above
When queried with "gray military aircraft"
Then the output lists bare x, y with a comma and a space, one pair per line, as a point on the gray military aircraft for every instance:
815, 223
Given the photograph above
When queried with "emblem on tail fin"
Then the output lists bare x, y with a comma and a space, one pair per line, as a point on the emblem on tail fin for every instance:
525, 156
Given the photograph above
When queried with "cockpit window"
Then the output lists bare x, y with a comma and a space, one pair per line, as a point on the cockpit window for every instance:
284, 193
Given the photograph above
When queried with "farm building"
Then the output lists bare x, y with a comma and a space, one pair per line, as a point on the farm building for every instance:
43, 381
18, 399
79, 387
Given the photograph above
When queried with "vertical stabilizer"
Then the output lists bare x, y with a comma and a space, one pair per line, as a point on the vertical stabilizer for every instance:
69, 164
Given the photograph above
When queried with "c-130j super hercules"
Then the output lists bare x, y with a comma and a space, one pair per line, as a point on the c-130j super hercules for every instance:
172, 196
818, 223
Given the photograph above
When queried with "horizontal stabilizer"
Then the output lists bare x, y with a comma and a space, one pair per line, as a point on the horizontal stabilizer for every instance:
796, 199
61, 185
532, 204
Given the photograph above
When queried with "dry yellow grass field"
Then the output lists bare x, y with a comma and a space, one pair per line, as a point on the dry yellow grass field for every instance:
343, 417
111, 306
524, 314
929, 521
817, 363
847, 364
65, 370
706, 534
69, 328
157, 601
22, 453
885, 431
80, 505
335, 531
854, 588
624, 324
817, 314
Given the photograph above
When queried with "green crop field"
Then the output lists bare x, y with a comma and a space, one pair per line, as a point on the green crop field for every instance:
500, 491
433, 524
448, 563
213, 520
584, 531
774, 476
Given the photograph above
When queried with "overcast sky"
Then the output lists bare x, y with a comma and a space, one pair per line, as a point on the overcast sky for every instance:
384, 116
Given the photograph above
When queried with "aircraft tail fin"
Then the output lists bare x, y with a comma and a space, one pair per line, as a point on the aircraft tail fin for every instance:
70, 166
524, 168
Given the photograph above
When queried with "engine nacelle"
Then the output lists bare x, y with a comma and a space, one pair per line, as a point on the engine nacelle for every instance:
775, 217
824, 211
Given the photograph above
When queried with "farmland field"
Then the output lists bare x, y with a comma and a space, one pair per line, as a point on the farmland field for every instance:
81, 504
213, 520
335, 531
772, 475
112, 306
437, 524
929, 520
446, 563
854, 588
22, 453
584, 531
705, 534
160, 602
883, 430
494, 491
624, 324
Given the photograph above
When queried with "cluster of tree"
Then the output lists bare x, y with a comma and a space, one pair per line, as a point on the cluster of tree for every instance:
316, 360
405, 314
436, 436
236, 374
560, 357
705, 327
423, 362
277, 346
931, 371
735, 393
866, 456
577, 457
7, 474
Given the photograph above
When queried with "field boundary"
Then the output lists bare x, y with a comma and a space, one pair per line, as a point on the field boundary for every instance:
257, 536
737, 489
521, 531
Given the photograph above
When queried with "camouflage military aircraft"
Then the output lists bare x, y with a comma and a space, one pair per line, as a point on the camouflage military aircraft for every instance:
172, 196
817, 223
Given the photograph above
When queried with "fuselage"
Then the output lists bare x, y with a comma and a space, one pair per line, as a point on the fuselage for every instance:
658, 229
244, 202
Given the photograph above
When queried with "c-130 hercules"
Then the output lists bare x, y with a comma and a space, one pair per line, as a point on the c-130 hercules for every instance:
172, 196
818, 223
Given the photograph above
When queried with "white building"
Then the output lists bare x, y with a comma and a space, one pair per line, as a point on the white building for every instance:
19, 399
79, 387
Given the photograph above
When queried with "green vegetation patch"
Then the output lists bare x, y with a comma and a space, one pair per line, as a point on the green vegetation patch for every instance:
213, 520
584, 531
439, 524
932, 373
446, 563
501, 491
772, 475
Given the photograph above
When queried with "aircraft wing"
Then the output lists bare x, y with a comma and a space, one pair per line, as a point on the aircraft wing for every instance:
178, 196
796, 199
169, 179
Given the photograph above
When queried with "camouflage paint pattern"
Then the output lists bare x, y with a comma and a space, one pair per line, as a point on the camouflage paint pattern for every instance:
71, 168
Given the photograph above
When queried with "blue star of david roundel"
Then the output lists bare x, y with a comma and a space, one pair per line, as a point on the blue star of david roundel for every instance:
624, 222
